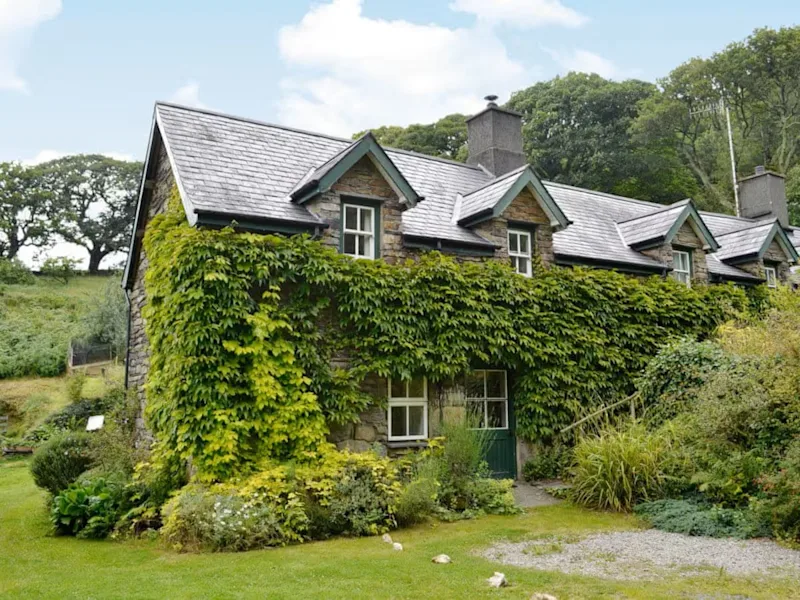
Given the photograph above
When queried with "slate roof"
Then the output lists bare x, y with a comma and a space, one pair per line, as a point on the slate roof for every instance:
487, 195
744, 242
652, 226
233, 166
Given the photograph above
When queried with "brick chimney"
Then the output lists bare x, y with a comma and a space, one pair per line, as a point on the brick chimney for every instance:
764, 194
494, 139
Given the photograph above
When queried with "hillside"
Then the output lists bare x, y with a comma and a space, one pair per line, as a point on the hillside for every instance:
37, 321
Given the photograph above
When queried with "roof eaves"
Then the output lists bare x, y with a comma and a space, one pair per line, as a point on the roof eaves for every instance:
185, 200
783, 241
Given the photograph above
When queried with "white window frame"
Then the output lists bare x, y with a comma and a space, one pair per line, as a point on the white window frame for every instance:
486, 399
407, 402
772, 282
358, 232
678, 274
517, 254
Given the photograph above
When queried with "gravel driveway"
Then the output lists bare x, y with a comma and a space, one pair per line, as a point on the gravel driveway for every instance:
648, 554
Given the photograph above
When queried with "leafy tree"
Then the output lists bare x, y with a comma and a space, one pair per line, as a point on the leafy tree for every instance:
96, 199
793, 193
447, 138
59, 268
576, 131
25, 209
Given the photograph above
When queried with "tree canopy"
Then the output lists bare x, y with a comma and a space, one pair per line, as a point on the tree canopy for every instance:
659, 142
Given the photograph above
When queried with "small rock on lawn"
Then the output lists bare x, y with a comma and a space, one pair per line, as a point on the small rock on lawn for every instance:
497, 580
441, 559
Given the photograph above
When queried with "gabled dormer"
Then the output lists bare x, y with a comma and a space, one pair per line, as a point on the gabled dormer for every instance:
676, 236
361, 194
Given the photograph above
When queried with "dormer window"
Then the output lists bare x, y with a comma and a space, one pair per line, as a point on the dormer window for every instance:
359, 231
682, 267
771, 276
519, 250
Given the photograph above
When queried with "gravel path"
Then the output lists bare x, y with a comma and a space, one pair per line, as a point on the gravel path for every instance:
649, 554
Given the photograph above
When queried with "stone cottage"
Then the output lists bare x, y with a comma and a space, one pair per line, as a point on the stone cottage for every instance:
376, 203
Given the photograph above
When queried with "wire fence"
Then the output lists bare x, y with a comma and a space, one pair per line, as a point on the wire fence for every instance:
89, 354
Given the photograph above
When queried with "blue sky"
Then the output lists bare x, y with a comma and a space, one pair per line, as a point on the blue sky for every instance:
82, 75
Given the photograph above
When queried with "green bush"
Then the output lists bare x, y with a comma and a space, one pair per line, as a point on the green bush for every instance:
200, 520
87, 509
782, 505
690, 518
359, 504
459, 459
60, 461
14, 272
60, 268
75, 416
617, 469
106, 322
75, 383
548, 462
668, 384
419, 498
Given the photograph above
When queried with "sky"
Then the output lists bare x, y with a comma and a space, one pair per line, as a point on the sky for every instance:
81, 76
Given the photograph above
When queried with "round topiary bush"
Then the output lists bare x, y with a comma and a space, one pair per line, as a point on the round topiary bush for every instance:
59, 462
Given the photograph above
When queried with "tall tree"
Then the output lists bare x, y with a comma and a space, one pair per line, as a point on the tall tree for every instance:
96, 199
576, 132
25, 209
447, 138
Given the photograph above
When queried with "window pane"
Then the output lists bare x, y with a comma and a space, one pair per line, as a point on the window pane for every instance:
398, 388
364, 245
513, 245
416, 388
497, 414
523, 266
350, 217
349, 243
523, 244
475, 414
416, 420
514, 264
366, 219
475, 385
495, 384
398, 421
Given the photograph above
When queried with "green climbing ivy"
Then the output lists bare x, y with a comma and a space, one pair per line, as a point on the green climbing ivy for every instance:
244, 328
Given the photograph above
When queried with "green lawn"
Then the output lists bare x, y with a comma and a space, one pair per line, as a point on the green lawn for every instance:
35, 565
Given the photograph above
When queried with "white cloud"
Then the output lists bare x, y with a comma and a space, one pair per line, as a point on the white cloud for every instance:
584, 61
18, 20
188, 95
521, 13
351, 72
48, 155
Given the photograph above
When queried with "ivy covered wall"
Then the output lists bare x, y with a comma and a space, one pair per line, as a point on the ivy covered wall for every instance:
244, 330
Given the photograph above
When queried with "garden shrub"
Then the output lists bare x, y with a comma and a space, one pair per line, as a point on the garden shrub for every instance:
617, 469
14, 272
60, 461
692, 518
87, 509
782, 504
242, 337
359, 504
75, 416
75, 383
198, 519
668, 384
418, 499
548, 462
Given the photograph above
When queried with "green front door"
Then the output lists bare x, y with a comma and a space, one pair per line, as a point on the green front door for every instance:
490, 409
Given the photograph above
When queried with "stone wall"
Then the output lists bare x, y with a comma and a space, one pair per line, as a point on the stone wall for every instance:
685, 239
775, 257
363, 180
138, 347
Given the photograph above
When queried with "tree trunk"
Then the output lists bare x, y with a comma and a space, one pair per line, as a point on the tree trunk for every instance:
95, 256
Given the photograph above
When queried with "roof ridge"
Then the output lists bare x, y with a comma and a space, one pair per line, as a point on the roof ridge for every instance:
261, 123
666, 208
606, 194
751, 225
497, 179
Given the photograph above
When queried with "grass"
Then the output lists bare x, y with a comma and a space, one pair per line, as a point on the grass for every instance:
38, 320
15, 392
36, 565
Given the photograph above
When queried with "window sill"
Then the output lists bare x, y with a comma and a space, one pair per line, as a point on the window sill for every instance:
396, 445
